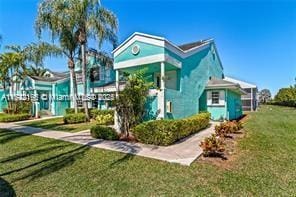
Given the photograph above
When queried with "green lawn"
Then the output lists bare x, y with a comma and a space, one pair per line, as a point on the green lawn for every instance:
38, 166
58, 125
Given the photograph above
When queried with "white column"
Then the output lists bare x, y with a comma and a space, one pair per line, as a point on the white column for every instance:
116, 118
117, 82
71, 91
251, 99
54, 100
36, 104
161, 95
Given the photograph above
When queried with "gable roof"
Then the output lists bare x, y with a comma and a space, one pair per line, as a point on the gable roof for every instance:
56, 76
191, 45
243, 84
215, 83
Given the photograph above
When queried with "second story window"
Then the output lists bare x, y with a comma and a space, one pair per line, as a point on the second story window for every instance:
95, 74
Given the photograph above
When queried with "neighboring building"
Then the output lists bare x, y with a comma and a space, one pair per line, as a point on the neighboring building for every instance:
249, 100
188, 77
54, 89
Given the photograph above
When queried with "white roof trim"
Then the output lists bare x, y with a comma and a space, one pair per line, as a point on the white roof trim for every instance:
241, 83
159, 41
148, 60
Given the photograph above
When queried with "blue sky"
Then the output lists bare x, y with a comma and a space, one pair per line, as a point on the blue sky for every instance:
256, 39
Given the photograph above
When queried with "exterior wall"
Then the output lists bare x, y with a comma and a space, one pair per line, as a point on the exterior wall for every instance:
3, 102
194, 75
151, 107
146, 50
61, 89
234, 105
231, 109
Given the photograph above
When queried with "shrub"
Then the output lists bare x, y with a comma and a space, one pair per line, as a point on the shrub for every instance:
226, 128
105, 119
14, 117
166, 132
18, 107
74, 118
212, 145
95, 112
103, 132
72, 110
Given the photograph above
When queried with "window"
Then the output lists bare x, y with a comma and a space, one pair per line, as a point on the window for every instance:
158, 81
215, 97
79, 103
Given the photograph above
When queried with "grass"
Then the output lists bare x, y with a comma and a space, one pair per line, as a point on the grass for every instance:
35, 166
58, 125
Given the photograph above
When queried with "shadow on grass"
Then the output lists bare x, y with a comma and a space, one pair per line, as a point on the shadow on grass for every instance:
29, 153
8, 136
6, 190
47, 165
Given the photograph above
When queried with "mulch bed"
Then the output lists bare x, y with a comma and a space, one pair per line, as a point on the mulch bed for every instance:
225, 160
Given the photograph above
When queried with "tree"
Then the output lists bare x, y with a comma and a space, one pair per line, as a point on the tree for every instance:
53, 16
95, 21
130, 104
286, 97
12, 66
264, 96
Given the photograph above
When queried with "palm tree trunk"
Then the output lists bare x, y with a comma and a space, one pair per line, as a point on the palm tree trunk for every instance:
74, 83
84, 74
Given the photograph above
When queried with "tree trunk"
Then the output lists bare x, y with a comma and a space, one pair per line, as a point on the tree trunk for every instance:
73, 79
84, 76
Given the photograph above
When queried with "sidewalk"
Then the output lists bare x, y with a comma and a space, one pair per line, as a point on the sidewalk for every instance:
183, 152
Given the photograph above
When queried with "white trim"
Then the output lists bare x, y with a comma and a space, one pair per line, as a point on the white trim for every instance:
159, 41
148, 60
139, 61
243, 84
173, 61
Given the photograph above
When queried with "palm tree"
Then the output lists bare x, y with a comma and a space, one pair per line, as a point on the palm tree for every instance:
95, 21
12, 66
16, 62
53, 17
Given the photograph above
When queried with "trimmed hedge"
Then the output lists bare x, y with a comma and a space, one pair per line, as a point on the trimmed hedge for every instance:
103, 132
166, 132
72, 110
14, 117
92, 112
74, 118
96, 112
105, 119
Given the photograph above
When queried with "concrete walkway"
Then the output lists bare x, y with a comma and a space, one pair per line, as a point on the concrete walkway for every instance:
183, 152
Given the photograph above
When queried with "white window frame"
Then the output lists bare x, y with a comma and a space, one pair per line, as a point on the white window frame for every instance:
216, 96
221, 98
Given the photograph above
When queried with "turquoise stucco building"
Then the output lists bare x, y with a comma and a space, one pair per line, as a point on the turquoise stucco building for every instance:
187, 78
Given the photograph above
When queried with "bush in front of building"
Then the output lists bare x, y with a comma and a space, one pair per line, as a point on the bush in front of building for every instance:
212, 146
103, 132
228, 127
166, 132
96, 112
14, 117
107, 119
74, 118
18, 107
72, 110
92, 112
